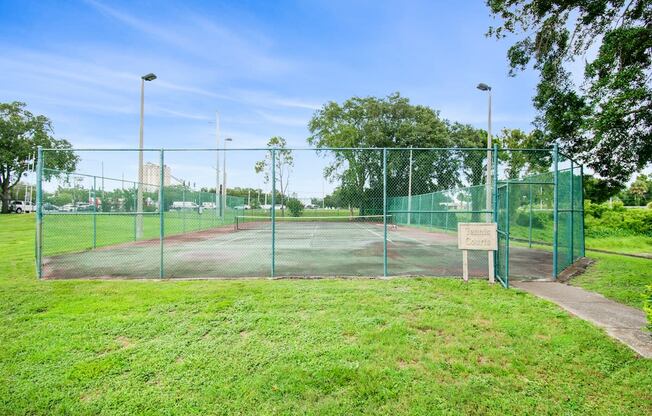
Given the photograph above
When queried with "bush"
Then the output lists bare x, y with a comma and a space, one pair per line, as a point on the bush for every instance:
540, 220
601, 220
649, 205
295, 206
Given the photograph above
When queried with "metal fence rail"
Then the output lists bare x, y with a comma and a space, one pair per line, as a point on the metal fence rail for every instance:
304, 212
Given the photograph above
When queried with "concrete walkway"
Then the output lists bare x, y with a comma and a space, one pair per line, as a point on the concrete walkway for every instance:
621, 322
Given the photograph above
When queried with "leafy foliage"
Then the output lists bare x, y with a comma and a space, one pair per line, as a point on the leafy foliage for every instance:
393, 122
602, 220
295, 206
639, 192
606, 121
21, 132
599, 190
523, 163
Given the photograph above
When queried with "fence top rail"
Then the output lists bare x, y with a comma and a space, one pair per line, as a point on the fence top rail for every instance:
213, 149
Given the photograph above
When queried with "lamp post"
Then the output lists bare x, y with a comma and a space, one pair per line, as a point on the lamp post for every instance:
484, 87
228, 139
139, 198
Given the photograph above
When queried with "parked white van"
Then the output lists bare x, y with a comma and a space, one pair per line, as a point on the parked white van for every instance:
22, 206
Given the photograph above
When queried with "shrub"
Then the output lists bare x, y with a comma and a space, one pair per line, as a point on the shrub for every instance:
603, 221
295, 206
540, 220
649, 205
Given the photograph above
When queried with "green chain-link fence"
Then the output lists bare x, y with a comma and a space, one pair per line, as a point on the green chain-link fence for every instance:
305, 212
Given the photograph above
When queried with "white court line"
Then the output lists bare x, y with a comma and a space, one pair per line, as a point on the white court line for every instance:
413, 239
374, 233
312, 236
238, 237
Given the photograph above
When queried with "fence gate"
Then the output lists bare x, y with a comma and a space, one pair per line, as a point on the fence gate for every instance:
502, 220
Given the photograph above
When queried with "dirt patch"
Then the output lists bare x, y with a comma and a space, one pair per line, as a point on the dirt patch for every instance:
575, 269
90, 396
124, 341
201, 235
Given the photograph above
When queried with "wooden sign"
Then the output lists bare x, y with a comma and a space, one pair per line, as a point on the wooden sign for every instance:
476, 236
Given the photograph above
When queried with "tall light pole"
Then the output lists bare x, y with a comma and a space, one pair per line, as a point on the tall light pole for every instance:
139, 198
484, 87
228, 139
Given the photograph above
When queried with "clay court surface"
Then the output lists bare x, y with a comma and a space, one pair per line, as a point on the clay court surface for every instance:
301, 250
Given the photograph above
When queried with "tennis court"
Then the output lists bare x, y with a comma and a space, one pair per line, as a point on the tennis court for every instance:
327, 246
357, 213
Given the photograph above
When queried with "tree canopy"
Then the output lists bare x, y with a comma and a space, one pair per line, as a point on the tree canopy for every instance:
393, 122
606, 121
21, 132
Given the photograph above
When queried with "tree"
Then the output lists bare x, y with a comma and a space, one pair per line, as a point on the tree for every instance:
21, 133
607, 121
295, 206
599, 190
282, 167
388, 122
638, 189
523, 162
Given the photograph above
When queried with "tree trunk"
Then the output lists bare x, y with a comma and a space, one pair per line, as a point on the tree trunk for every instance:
6, 197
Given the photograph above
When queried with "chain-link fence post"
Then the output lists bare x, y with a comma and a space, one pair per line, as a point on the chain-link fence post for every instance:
571, 254
555, 210
161, 211
582, 247
507, 208
529, 235
492, 279
385, 212
39, 211
134, 207
94, 212
273, 210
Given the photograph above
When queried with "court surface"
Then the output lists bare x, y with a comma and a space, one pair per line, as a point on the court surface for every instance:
302, 249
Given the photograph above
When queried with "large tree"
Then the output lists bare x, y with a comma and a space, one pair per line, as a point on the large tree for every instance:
606, 121
21, 132
389, 122
522, 160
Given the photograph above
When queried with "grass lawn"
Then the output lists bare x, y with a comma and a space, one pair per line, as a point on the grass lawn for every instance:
636, 244
620, 278
402, 346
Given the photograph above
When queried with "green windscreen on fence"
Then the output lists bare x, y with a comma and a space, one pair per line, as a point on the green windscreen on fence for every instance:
184, 213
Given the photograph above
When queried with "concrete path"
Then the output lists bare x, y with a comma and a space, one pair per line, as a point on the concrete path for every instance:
622, 322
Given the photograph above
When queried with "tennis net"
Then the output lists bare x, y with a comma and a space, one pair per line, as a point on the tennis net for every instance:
248, 222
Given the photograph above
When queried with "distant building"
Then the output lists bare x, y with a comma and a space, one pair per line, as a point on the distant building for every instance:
152, 176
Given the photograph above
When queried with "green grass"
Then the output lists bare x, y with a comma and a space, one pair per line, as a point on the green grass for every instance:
64, 233
635, 244
403, 346
620, 278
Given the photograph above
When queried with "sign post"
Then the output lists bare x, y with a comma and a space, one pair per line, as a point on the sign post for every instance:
476, 236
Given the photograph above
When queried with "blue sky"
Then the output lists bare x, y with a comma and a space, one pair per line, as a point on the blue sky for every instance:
266, 66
